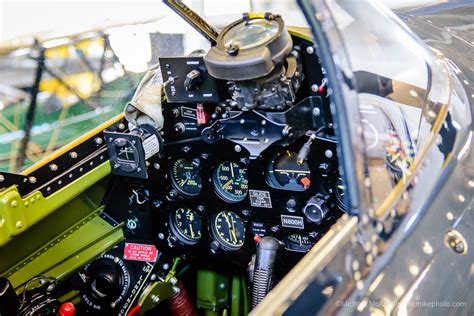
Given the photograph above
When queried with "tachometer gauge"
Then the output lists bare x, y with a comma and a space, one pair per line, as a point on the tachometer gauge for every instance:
230, 182
185, 177
340, 194
185, 226
285, 173
228, 230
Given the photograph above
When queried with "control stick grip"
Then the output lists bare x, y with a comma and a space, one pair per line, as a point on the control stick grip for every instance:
263, 274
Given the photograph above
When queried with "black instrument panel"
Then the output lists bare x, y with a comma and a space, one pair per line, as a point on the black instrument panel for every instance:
235, 197
215, 179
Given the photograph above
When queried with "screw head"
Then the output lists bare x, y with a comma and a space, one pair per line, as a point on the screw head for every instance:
310, 50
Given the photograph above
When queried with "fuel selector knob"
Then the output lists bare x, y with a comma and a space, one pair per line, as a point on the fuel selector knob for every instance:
315, 209
193, 80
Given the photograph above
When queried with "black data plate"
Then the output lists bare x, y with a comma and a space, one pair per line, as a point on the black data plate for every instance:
178, 68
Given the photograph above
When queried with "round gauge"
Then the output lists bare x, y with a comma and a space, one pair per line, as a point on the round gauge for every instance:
230, 182
185, 225
297, 242
286, 174
340, 194
228, 230
185, 177
248, 34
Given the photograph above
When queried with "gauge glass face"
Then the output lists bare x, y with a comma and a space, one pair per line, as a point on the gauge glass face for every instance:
185, 177
229, 229
253, 33
187, 224
230, 182
286, 174
125, 153
297, 242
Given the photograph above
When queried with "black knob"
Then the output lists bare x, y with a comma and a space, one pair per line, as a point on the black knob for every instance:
215, 246
315, 210
193, 80
179, 128
175, 113
105, 280
291, 204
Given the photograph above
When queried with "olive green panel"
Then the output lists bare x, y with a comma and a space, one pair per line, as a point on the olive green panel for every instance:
212, 291
68, 251
154, 294
213, 294
53, 225
240, 296
17, 214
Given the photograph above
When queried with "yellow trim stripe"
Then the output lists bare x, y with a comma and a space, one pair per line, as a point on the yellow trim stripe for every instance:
72, 144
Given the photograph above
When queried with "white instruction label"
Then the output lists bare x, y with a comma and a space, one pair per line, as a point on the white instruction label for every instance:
151, 146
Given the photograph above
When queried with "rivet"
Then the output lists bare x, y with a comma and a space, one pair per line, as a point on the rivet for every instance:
367, 182
14, 203
355, 265
19, 224
32, 179
461, 198
53, 167
73, 154
449, 216
2, 178
414, 269
98, 140
398, 290
427, 248
310, 50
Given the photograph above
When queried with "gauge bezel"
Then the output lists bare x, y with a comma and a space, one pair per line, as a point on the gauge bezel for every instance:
215, 232
180, 236
174, 182
271, 179
224, 195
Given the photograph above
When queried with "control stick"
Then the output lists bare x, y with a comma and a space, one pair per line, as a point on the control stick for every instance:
263, 276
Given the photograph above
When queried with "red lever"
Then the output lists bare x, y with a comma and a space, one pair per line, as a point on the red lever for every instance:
257, 238
135, 311
305, 182
202, 116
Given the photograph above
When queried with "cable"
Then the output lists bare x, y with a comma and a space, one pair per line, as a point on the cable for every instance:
40, 277
304, 151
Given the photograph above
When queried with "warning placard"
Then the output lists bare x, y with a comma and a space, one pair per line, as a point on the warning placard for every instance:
140, 252
260, 199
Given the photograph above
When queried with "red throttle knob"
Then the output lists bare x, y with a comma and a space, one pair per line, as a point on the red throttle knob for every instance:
67, 309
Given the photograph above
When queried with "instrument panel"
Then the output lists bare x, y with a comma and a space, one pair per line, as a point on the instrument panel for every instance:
214, 199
